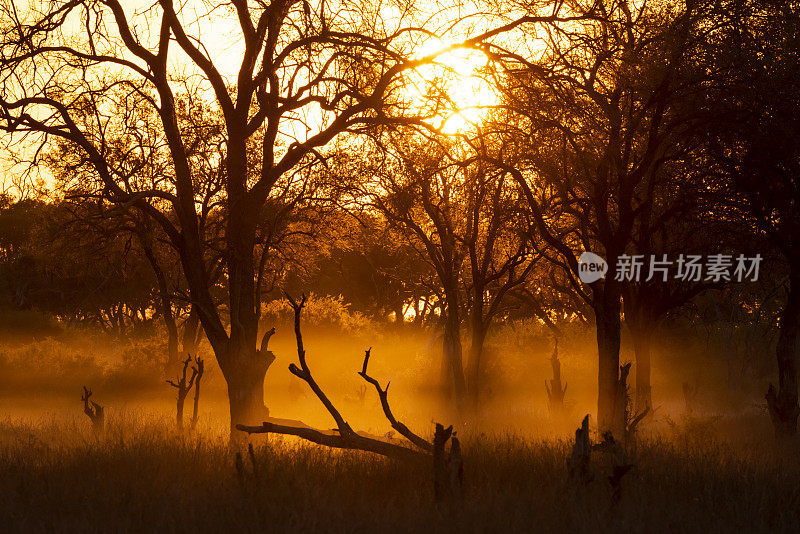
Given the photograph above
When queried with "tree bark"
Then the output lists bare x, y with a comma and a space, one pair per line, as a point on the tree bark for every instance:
783, 405
607, 308
243, 366
452, 350
245, 379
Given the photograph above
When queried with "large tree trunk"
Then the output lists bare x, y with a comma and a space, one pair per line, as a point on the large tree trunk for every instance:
606, 309
244, 366
452, 351
244, 374
783, 406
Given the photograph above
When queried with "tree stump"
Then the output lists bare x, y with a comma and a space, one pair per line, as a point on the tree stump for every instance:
579, 463
448, 467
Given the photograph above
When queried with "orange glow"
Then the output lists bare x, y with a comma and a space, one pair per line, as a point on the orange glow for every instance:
457, 76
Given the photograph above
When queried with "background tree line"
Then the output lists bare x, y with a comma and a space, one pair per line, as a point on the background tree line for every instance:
191, 199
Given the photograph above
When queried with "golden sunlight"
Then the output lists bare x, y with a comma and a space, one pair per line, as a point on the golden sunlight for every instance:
454, 87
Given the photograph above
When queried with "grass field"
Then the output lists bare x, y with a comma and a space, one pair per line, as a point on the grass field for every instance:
717, 473
56, 477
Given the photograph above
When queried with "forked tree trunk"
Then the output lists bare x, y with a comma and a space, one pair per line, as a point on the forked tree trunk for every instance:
94, 411
607, 310
243, 365
183, 384
782, 404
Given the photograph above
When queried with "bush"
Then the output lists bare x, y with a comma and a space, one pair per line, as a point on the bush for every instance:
58, 367
27, 325
325, 312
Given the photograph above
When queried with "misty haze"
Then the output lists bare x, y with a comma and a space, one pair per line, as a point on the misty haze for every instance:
366, 266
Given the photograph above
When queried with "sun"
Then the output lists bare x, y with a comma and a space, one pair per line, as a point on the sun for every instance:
453, 88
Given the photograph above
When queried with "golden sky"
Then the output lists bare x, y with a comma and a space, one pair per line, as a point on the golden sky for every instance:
457, 71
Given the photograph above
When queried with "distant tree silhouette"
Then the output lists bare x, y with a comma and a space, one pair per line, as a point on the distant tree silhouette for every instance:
593, 121
755, 142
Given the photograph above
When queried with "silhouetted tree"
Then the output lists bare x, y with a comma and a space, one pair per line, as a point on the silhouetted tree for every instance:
350, 72
597, 114
756, 143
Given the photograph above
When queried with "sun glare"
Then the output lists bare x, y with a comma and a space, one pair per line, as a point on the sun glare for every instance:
453, 90
454, 86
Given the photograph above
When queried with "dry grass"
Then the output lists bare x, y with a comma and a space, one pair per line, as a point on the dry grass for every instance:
56, 477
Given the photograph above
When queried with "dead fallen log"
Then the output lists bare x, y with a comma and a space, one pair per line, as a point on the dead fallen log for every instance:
383, 395
336, 440
447, 464
343, 436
